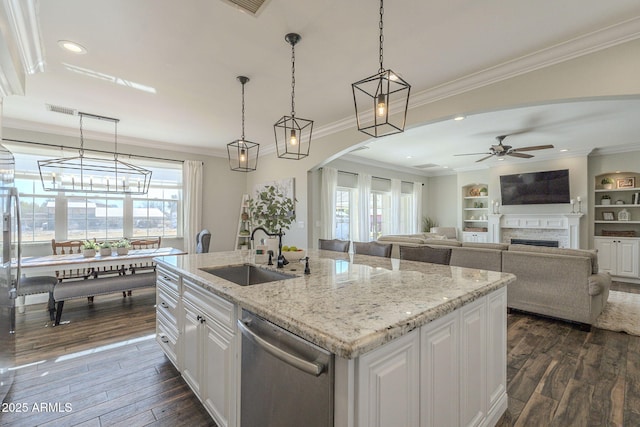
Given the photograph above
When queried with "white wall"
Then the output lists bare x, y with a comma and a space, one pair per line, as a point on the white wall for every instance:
442, 200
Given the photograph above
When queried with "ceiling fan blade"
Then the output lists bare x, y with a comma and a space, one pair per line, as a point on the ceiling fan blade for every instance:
534, 147
470, 154
484, 158
522, 155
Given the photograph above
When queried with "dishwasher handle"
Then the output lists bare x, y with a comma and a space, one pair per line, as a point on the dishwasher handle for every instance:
312, 368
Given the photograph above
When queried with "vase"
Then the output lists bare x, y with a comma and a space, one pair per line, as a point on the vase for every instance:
607, 186
605, 201
122, 251
88, 253
105, 251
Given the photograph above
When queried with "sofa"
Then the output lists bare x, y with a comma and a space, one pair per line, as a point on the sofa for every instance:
418, 239
555, 282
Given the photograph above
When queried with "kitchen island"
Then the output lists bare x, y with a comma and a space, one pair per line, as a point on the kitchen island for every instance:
416, 343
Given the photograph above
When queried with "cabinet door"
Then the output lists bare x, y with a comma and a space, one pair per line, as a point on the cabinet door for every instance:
473, 357
439, 372
388, 384
191, 348
627, 257
606, 254
496, 348
218, 374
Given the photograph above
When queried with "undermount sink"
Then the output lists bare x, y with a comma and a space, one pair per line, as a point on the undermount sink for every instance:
247, 274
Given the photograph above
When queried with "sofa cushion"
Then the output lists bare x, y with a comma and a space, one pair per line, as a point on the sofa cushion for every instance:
591, 254
401, 239
599, 283
442, 242
481, 258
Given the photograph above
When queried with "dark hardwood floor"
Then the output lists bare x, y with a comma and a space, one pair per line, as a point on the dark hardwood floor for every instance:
107, 366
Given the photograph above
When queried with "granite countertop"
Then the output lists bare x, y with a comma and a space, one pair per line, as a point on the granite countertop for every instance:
349, 304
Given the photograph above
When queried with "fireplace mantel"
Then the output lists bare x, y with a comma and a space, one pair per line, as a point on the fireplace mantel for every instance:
567, 225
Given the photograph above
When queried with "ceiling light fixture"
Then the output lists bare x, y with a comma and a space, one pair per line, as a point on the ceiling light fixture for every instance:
381, 100
243, 154
296, 132
459, 118
84, 174
72, 47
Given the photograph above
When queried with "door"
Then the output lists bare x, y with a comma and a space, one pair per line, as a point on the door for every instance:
606, 254
8, 276
627, 255
191, 347
218, 357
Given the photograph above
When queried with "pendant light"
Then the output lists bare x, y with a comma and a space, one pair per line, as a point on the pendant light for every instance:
243, 154
293, 134
84, 174
381, 100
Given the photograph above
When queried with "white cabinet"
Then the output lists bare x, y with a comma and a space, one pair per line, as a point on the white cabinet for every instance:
450, 372
618, 255
389, 385
474, 236
167, 313
209, 339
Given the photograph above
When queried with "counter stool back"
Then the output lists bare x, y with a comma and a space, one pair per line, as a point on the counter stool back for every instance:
334, 245
372, 248
426, 254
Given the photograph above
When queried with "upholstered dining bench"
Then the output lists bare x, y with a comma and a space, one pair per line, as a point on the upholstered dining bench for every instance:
98, 286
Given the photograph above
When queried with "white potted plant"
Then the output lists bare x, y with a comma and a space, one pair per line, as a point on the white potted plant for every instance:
607, 183
89, 248
606, 200
105, 248
123, 246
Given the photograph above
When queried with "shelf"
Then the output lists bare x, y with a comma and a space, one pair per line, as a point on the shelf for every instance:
486, 220
636, 189
601, 221
484, 209
617, 206
475, 197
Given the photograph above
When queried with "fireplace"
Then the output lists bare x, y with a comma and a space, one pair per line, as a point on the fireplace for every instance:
536, 242
563, 228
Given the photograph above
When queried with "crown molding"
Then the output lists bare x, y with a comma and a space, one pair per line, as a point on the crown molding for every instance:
24, 24
579, 46
626, 148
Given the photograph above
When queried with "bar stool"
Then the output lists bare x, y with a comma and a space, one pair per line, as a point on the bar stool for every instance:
39, 285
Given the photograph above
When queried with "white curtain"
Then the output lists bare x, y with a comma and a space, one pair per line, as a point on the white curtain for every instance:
328, 202
361, 231
417, 207
192, 188
396, 190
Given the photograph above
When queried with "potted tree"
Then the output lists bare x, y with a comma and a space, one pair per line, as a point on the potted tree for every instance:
272, 210
89, 248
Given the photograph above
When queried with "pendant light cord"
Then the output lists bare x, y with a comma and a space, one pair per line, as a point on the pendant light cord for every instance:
81, 151
381, 70
242, 137
293, 79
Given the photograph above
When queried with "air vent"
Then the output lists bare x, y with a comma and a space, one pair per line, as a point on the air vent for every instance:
427, 166
61, 110
251, 6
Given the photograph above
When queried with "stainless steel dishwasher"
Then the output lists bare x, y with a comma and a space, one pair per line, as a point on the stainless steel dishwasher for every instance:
285, 381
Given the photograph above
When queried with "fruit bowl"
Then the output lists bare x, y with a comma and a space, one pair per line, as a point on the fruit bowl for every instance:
293, 254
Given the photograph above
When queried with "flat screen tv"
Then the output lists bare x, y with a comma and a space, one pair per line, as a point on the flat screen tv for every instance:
535, 188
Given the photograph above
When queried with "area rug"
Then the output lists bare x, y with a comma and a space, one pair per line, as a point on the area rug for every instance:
621, 314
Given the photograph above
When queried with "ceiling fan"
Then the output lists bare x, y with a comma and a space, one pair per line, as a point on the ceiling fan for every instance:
501, 150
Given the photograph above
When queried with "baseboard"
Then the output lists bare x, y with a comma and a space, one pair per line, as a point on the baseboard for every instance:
497, 411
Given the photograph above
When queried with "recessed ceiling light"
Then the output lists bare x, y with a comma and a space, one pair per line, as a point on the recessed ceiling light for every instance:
458, 118
409, 157
501, 159
564, 150
72, 47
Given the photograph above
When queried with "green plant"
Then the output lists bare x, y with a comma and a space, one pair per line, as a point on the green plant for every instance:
90, 244
606, 180
272, 210
483, 190
427, 223
122, 243
105, 245
606, 197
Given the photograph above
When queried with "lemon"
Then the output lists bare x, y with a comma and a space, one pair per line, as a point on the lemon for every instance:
285, 248
293, 248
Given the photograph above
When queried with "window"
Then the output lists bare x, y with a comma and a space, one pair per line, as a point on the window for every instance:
379, 214
100, 216
343, 214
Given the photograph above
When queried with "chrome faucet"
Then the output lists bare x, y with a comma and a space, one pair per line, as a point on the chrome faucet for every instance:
282, 261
